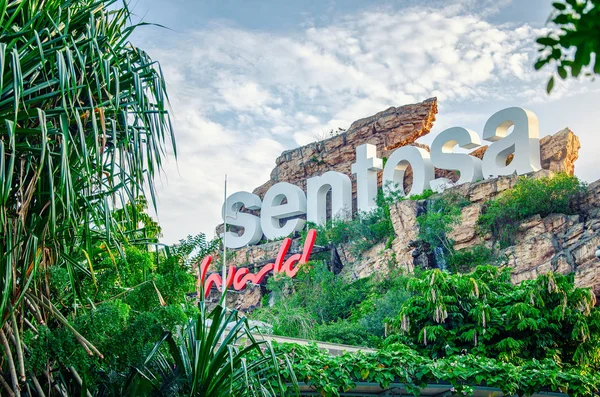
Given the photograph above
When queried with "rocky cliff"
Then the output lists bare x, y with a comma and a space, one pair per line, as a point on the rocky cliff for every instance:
558, 242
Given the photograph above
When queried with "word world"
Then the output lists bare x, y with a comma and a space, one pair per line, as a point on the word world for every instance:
239, 278
284, 203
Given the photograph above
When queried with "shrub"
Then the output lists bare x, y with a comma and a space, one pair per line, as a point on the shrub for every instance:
439, 219
465, 260
484, 314
345, 332
214, 355
529, 197
288, 320
383, 309
317, 302
365, 229
336, 375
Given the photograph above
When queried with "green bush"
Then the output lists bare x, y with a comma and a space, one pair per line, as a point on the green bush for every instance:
316, 302
288, 320
365, 229
133, 298
442, 214
467, 259
346, 333
543, 196
383, 309
485, 314
336, 375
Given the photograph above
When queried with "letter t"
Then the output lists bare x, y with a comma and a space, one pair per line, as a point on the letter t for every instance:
366, 167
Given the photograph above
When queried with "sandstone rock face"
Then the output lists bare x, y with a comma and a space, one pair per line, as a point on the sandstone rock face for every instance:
559, 152
404, 219
465, 234
387, 130
558, 242
258, 254
245, 301
375, 260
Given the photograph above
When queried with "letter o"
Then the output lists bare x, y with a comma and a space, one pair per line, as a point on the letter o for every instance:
418, 159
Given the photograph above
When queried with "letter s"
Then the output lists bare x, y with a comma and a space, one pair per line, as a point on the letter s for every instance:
443, 156
251, 223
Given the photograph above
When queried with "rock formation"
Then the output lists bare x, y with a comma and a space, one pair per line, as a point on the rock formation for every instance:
558, 242
388, 130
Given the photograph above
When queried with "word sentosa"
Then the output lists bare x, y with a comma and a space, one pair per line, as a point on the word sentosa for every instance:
239, 278
284, 203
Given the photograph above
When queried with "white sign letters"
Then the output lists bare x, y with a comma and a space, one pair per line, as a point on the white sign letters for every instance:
284, 204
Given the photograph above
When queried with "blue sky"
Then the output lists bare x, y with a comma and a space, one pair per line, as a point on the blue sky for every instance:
249, 79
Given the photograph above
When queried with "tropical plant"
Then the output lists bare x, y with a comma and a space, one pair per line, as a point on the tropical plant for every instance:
217, 354
83, 128
145, 229
543, 196
467, 259
132, 300
483, 313
574, 45
440, 217
320, 305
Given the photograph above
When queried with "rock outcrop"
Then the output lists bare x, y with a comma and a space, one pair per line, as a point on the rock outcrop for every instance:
558, 242
388, 130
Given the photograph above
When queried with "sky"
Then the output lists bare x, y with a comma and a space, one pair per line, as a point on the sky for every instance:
248, 79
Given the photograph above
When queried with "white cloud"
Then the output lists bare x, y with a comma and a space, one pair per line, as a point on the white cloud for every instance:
241, 97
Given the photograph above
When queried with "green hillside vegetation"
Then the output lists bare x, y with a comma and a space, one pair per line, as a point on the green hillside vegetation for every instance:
465, 329
469, 315
320, 305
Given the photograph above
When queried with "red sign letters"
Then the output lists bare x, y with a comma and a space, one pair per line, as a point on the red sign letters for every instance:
240, 277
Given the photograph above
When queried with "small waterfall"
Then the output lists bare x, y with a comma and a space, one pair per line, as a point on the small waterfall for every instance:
440, 257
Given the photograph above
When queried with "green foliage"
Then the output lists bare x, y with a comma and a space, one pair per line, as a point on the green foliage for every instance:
573, 46
365, 229
84, 129
326, 296
385, 306
134, 221
319, 305
288, 320
335, 375
423, 196
152, 299
529, 197
438, 220
139, 295
467, 259
214, 355
192, 249
484, 314
362, 232
315, 297
344, 332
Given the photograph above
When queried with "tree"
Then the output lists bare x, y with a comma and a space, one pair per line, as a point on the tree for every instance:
133, 214
574, 45
484, 314
83, 128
